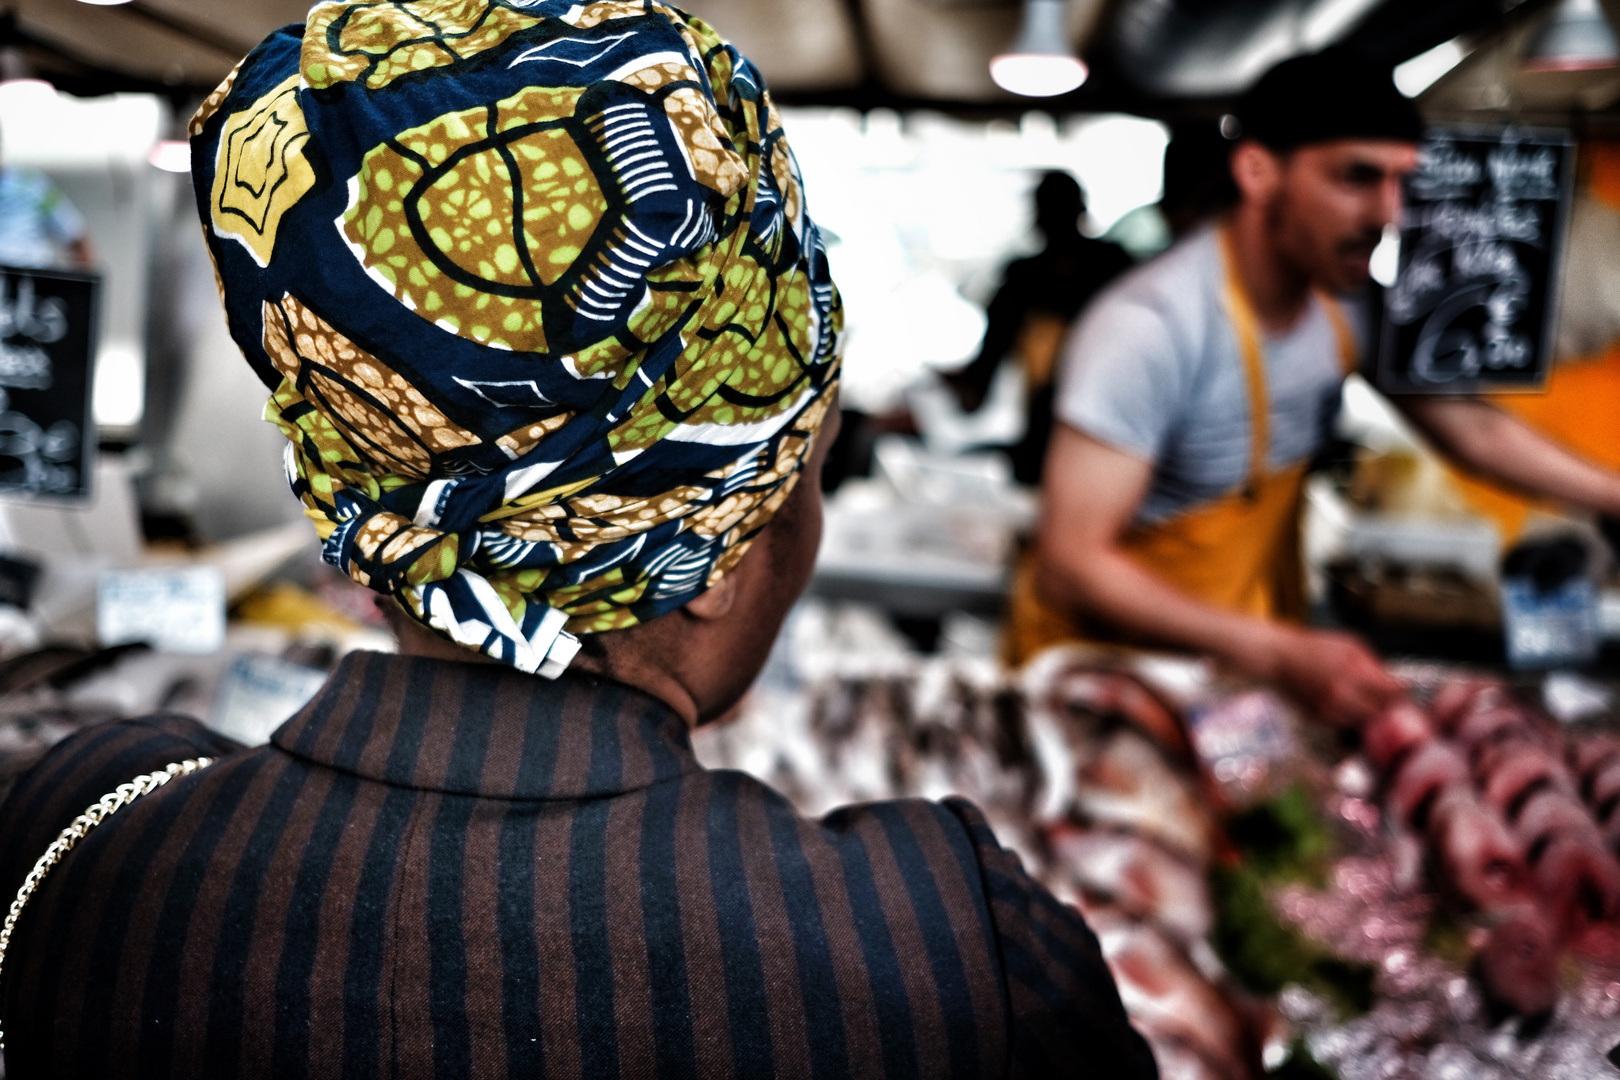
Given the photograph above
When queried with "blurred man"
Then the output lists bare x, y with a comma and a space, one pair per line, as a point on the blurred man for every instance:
1196, 391
1038, 299
553, 342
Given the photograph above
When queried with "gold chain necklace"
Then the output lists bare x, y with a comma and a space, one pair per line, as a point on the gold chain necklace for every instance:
94, 815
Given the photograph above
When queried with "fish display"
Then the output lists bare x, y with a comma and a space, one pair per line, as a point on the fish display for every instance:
1084, 770
1515, 820
1118, 796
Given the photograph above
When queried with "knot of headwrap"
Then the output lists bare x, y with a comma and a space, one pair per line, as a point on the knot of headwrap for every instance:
546, 324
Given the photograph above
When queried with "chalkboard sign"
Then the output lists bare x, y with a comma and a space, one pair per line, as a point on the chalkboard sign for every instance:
1481, 240
47, 334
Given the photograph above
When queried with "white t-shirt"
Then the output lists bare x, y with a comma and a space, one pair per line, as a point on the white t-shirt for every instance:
1153, 368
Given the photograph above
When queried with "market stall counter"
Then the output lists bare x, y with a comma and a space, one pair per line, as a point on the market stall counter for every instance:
1435, 895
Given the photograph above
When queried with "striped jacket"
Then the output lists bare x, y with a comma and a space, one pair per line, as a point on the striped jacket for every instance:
442, 869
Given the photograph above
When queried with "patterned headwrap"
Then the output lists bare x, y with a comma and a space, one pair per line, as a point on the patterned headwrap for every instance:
532, 283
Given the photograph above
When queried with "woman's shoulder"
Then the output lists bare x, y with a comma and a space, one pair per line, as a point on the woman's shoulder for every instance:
82, 768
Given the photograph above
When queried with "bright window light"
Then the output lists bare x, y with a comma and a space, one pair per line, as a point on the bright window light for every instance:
171, 155
929, 209
1386, 258
49, 130
1037, 75
1119, 160
1425, 69
119, 397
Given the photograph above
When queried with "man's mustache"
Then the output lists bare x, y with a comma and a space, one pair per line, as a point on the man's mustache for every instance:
1361, 246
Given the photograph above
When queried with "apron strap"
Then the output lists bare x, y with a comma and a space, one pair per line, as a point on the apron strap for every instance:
1348, 352
1246, 323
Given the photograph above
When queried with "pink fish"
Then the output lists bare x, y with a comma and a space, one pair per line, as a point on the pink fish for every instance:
1475, 854
1394, 732
1426, 772
1518, 967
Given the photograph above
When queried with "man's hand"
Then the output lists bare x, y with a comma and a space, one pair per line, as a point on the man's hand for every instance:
1091, 492
1333, 675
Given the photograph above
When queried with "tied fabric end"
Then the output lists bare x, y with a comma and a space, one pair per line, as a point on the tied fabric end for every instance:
553, 647
385, 551
444, 605
560, 655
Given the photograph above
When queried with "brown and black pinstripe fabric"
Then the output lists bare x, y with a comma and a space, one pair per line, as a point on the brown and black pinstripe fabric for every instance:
455, 870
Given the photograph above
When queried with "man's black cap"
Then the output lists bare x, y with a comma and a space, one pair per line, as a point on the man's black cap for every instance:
1326, 96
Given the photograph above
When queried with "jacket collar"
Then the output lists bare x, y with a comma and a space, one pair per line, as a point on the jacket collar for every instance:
487, 730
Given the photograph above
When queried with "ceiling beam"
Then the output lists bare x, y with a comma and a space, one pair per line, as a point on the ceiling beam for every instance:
184, 27
73, 74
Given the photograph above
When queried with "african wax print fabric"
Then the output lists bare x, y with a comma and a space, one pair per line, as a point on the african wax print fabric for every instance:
545, 321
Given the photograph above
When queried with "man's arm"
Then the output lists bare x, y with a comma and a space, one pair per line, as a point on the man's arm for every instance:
1004, 319
1484, 439
1090, 495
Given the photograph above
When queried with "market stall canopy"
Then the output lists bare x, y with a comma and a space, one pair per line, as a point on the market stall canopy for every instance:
144, 44
908, 53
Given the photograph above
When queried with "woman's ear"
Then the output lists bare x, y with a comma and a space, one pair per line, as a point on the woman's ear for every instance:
716, 601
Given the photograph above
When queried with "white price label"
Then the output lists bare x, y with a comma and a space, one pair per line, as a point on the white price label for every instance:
177, 609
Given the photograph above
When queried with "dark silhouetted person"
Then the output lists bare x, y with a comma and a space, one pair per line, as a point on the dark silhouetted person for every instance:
1038, 299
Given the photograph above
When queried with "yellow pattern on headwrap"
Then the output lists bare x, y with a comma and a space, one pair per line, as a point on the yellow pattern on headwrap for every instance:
261, 172
382, 41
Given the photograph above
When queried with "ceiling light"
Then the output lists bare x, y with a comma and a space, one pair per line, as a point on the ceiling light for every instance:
104, 3
1425, 69
1575, 38
1036, 75
171, 155
1330, 20
1040, 63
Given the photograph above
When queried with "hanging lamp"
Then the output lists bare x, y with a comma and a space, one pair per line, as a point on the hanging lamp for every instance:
1576, 37
1040, 63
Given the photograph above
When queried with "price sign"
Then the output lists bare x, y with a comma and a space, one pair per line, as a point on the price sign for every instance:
1481, 240
177, 609
47, 334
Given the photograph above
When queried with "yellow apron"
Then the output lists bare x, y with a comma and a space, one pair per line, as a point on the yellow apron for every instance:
1239, 552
